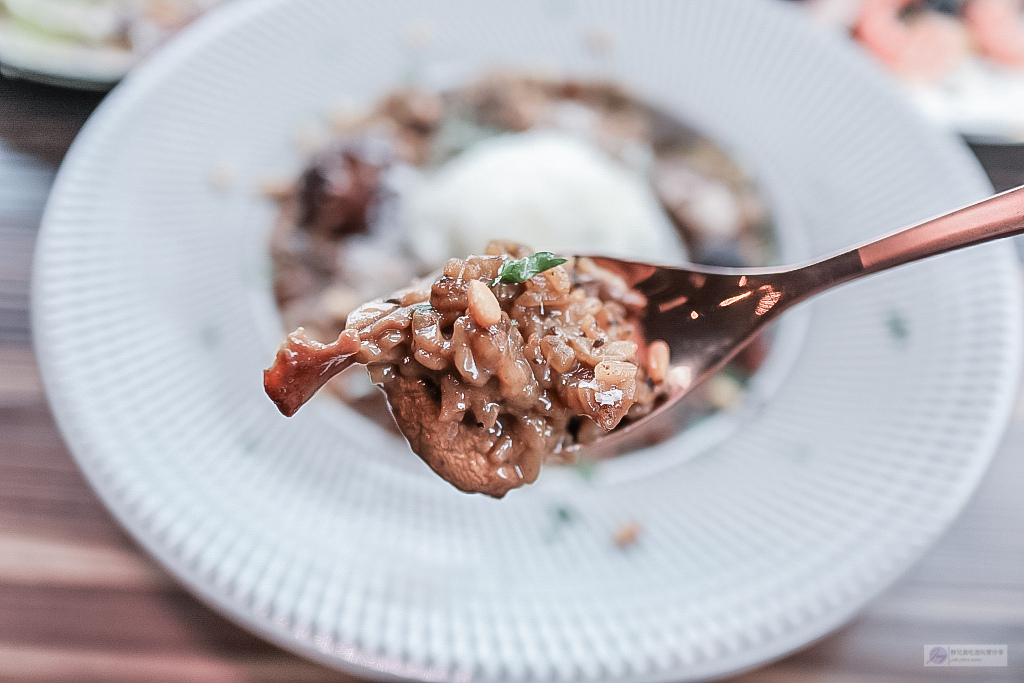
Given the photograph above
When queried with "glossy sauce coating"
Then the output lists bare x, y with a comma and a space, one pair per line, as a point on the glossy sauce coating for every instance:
488, 379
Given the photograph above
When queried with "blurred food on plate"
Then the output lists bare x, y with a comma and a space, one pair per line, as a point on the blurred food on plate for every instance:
87, 42
962, 61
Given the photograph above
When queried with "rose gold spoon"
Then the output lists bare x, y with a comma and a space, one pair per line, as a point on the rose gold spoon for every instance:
707, 315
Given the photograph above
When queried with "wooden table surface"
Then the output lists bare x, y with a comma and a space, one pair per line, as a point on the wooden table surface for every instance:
79, 601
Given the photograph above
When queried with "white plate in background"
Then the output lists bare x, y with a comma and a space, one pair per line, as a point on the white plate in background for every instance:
37, 57
69, 43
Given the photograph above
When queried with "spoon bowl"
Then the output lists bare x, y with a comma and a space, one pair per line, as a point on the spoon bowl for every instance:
707, 315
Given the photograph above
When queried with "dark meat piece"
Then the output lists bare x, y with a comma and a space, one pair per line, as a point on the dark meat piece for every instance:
302, 366
472, 457
341, 186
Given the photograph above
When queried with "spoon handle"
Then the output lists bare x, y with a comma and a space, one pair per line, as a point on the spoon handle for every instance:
1001, 215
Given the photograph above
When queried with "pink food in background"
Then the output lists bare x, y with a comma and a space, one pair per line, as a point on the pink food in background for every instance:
995, 27
924, 47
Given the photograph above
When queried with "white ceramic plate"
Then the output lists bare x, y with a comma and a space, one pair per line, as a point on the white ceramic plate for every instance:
154, 321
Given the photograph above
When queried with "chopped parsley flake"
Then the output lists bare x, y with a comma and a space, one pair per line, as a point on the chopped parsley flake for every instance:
515, 271
898, 328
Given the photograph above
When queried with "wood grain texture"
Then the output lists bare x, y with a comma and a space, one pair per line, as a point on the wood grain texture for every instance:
79, 601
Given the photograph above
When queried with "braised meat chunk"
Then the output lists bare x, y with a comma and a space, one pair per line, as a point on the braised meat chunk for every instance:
504, 361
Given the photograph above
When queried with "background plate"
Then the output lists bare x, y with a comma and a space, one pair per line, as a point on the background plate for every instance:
154, 321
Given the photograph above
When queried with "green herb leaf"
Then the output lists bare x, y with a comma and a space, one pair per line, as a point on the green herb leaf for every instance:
561, 516
898, 328
515, 271
564, 514
422, 307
